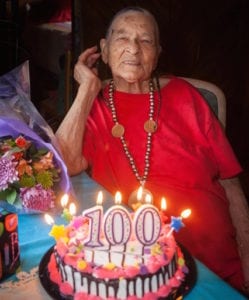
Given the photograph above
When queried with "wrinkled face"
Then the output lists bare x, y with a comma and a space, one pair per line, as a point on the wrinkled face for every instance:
131, 49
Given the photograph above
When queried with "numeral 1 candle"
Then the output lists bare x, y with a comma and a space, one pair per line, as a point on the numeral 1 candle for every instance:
95, 214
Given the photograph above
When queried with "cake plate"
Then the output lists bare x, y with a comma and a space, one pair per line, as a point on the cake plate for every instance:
53, 289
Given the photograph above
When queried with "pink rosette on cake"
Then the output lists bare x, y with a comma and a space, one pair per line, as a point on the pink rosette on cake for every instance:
32, 173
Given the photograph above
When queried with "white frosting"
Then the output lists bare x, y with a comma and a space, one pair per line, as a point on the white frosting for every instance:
132, 254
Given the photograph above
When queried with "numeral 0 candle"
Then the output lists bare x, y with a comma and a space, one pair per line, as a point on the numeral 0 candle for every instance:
117, 223
147, 223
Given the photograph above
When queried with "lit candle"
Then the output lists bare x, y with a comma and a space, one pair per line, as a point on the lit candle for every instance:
49, 220
67, 214
95, 215
64, 200
140, 193
176, 222
163, 204
72, 209
138, 202
148, 199
164, 217
99, 198
117, 223
147, 222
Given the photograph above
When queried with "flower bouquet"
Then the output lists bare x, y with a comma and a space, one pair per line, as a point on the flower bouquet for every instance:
27, 174
32, 173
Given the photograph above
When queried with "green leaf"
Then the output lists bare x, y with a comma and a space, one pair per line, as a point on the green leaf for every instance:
11, 197
39, 153
16, 149
8, 195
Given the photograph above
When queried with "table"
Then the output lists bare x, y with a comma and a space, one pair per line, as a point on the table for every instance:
34, 242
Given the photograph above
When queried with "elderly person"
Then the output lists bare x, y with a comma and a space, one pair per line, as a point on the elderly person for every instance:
138, 130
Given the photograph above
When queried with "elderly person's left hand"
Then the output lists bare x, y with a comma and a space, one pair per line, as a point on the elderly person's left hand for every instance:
240, 216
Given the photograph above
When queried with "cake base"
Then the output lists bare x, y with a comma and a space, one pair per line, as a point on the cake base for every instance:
53, 289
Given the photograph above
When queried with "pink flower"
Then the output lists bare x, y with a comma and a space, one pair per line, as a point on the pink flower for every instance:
8, 173
37, 198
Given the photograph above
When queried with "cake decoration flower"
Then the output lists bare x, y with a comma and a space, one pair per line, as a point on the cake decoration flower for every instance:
81, 265
110, 266
156, 249
143, 270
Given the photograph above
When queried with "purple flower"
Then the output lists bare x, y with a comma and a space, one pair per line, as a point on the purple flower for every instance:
37, 198
8, 173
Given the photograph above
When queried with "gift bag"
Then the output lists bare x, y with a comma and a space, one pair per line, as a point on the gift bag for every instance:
32, 173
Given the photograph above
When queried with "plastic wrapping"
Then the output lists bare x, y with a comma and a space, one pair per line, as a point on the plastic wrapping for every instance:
19, 117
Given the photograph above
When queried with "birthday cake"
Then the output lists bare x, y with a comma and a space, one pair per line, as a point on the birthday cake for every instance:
113, 263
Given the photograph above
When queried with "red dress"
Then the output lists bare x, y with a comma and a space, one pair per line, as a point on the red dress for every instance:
189, 154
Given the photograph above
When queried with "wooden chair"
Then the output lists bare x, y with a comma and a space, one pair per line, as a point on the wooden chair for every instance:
238, 204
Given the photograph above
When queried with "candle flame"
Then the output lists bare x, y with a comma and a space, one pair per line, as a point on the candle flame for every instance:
100, 198
64, 200
49, 220
163, 204
140, 193
72, 209
118, 198
186, 213
148, 199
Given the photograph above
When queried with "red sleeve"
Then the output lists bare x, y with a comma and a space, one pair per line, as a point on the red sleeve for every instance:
226, 159
227, 162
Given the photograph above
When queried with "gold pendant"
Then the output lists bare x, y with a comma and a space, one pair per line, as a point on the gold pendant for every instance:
139, 197
118, 130
150, 126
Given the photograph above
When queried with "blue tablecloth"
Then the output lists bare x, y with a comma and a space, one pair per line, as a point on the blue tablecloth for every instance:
35, 242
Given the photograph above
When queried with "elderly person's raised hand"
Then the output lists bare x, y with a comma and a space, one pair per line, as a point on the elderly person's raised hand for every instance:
85, 68
71, 130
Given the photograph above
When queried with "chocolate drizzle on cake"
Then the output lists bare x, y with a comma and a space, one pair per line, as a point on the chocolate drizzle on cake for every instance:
119, 288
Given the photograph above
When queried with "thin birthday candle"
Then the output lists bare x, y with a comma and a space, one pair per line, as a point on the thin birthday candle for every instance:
164, 217
49, 220
176, 222
67, 214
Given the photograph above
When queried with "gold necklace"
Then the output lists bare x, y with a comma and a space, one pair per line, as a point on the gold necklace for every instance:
118, 131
